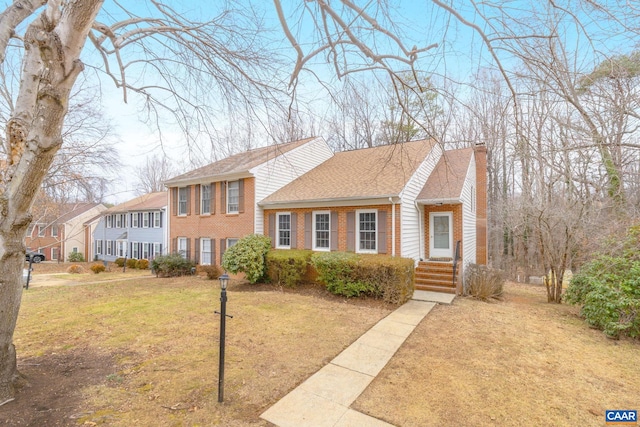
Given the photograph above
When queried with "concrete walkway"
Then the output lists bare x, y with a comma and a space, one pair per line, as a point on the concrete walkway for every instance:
324, 399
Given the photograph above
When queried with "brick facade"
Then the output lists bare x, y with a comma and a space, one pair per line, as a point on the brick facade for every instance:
481, 207
342, 224
217, 226
457, 225
47, 243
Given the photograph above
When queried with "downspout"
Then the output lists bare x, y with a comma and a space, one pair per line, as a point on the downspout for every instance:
420, 231
393, 226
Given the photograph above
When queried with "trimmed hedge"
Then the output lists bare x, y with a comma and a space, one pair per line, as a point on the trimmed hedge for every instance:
132, 263
288, 268
378, 276
172, 265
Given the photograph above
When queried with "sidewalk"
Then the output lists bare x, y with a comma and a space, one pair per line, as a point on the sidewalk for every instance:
324, 399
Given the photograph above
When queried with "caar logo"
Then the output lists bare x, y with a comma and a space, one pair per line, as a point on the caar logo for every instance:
621, 417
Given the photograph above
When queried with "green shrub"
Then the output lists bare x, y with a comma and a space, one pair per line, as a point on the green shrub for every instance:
97, 268
212, 271
171, 265
608, 288
142, 264
483, 282
248, 257
75, 269
132, 263
350, 275
75, 257
288, 267
119, 262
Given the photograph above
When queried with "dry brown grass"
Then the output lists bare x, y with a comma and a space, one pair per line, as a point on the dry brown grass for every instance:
517, 362
158, 339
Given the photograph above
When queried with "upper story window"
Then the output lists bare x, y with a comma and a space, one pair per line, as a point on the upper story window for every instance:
182, 201
119, 221
109, 221
233, 196
205, 199
156, 220
54, 230
321, 230
366, 233
134, 220
145, 220
41, 230
283, 231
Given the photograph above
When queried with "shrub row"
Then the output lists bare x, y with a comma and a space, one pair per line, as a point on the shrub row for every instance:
172, 265
141, 264
608, 288
288, 268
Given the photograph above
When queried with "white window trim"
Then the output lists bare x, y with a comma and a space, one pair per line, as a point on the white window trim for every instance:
313, 219
366, 251
202, 199
156, 220
227, 197
202, 251
230, 240
42, 230
134, 220
278, 245
134, 250
186, 208
145, 219
179, 250
145, 250
54, 230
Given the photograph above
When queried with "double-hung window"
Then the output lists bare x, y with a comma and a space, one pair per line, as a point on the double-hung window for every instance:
145, 220
182, 246
134, 250
182, 201
156, 219
145, 250
157, 249
366, 231
118, 221
205, 199
205, 251
283, 231
134, 220
321, 230
233, 196
41, 230
54, 230
98, 247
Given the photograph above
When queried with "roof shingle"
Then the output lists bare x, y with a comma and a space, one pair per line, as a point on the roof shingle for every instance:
146, 201
447, 179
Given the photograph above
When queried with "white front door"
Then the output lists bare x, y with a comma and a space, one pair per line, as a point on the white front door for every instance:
440, 235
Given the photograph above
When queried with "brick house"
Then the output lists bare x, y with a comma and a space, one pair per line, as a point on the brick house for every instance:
412, 200
60, 230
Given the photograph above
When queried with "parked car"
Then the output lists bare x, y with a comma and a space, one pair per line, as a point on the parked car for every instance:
37, 256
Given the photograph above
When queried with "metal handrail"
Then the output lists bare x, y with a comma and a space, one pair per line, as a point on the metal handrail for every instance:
456, 257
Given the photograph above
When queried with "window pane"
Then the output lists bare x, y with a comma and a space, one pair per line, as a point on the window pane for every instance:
233, 191
322, 231
182, 201
441, 232
284, 230
205, 251
367, 224
206, 199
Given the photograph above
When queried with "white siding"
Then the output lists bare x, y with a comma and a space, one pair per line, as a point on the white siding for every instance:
278, 172
74, 232
411, 231
469, 216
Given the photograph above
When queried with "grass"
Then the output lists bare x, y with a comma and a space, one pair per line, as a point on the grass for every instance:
163, 335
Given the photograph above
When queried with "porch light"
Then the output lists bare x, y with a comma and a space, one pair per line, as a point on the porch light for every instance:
224, 281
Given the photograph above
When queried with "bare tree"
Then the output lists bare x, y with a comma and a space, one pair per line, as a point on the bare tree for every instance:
152, 175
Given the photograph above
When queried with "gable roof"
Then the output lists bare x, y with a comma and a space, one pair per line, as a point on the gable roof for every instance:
240, 163
447, 179
65, 212
359, 174
155, 200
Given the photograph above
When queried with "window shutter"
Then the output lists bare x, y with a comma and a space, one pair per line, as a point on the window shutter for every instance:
213, 198
382, 232
140, 216
308, 230
223, 246
197, 251
188, 254
213, 250
197, 190
223, 198
174, 201
351, 231
174, 244
334, 231
241, 195
188, 200
161, 218
293, 244
272, 229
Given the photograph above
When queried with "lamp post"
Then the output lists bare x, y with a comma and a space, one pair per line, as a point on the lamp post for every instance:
224, 281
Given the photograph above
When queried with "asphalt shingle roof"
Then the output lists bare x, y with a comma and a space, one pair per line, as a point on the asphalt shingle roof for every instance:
368, 173
146, 201
447, 179
238, 163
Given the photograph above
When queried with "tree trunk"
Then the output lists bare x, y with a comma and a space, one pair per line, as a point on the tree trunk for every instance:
51, 65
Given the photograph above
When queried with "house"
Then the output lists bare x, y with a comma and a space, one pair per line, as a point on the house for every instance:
215, 205
134, 229
59, 230
413, 200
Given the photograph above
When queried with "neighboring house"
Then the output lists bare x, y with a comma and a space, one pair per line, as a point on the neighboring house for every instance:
213, 206
60, 230
412, 200
133, 229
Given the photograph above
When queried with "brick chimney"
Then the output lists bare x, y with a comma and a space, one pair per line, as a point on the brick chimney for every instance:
480, 152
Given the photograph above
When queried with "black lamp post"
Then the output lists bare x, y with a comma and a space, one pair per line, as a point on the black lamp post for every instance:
224, 281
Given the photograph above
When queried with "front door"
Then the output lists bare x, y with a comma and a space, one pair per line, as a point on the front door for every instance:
440, 235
